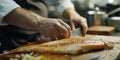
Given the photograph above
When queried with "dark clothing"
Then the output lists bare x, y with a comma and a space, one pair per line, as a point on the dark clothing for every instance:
37, 6
25, 4
12, 37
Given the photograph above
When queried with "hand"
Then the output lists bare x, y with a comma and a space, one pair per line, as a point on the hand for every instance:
54, 28
76, 20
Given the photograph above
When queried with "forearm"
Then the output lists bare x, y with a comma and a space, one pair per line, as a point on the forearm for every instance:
75, 20
22, 18
68, 12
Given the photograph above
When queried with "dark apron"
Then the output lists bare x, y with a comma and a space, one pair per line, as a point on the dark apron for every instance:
37, 6
12, 37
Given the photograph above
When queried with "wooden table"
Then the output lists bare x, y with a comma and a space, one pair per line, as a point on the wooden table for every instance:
101, 30
99, 55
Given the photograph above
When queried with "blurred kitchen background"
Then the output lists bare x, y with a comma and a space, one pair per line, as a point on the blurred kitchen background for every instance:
106, 9
107, 12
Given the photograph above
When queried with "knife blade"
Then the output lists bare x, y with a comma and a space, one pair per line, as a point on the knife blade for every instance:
76, 33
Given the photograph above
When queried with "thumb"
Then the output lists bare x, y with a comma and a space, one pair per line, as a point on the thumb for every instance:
72, 24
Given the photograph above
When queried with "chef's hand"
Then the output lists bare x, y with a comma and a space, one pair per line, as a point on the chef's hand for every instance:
75, 20
54, 28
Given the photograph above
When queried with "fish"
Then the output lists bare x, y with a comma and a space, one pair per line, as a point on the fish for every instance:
71, 46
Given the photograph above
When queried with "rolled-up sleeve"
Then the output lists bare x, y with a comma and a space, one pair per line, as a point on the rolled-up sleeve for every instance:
6, 6
64, 4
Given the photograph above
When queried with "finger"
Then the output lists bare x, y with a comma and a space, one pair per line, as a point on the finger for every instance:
59, 35
55, 34
67, 26
72, 25
44, 35
63, 31
83, 23
83, 29
51, 35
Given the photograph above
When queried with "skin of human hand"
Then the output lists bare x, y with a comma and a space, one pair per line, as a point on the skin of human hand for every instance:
54, 28
75, 20
48, 27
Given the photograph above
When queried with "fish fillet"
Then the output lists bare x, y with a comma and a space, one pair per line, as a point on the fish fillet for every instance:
65, 46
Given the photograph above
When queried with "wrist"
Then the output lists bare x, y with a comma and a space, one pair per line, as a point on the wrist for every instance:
23, 18
68, 13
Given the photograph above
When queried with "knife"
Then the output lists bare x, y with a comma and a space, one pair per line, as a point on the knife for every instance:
76, 33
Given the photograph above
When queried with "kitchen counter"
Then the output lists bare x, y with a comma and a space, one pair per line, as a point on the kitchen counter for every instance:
112, 54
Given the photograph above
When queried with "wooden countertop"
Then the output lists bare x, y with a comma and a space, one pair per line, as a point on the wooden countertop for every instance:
99, 55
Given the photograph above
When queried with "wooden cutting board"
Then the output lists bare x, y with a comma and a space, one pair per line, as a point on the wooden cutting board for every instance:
112, 54
101, 30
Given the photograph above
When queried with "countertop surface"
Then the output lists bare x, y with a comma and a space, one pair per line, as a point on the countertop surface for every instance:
112, 54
